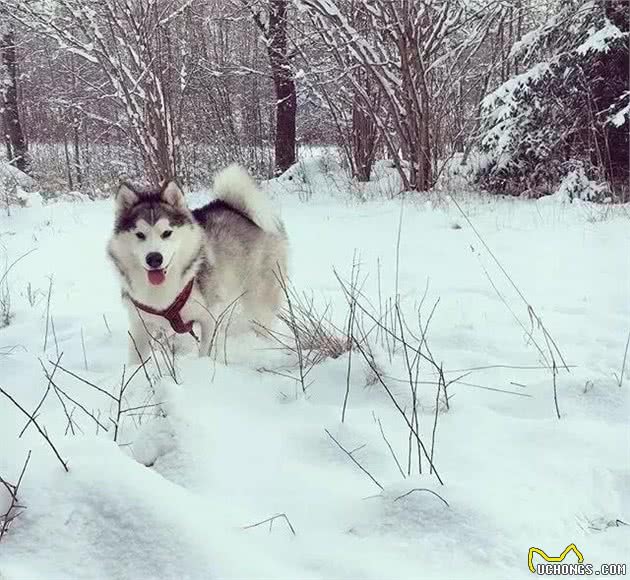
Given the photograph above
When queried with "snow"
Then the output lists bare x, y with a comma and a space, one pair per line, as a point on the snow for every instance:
234, 446
599, 40
525, 43
505, 93
622, 114
577, 185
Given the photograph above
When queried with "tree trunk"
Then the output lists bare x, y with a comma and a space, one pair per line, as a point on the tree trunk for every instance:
415, 123
14, 137
66, 153
286, 107
5, 134
284, 83
76, 123
363, 141
77, 151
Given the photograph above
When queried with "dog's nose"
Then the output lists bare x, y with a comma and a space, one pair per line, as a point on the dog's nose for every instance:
154, 259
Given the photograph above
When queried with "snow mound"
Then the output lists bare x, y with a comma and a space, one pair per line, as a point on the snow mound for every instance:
10, 175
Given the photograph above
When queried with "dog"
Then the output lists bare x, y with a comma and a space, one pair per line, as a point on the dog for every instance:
183, 269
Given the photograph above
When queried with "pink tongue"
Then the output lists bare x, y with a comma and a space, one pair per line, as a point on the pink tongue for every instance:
156, 277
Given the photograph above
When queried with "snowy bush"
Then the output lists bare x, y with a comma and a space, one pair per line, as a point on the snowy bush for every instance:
14, 185
576, 185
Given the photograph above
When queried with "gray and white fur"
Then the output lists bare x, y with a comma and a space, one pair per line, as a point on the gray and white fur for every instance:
234, 247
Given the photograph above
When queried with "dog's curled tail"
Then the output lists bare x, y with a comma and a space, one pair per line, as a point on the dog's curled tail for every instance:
234, 186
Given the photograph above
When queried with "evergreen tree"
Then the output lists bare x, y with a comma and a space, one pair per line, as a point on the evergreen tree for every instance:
567, 114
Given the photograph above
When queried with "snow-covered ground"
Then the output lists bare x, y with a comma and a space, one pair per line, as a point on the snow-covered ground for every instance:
234, 445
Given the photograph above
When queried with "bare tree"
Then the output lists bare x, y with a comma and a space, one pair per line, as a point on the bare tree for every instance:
130, 44
17, 149
273, 23
411, 51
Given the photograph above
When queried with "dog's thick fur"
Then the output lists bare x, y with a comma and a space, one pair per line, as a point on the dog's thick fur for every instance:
235, 248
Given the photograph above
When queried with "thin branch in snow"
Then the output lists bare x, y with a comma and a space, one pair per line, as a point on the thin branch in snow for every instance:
623, 363
391, 450
41, 401
50, 287
83, 380
270, 522
349, 454
14, 509
422, 489
41, 431
530, 309
59, 390
109, 330
379, 378
85, 362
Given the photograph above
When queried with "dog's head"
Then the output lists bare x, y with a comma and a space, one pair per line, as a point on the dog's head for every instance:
153, 226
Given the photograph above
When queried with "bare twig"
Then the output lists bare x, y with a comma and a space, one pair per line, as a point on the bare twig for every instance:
75, 402
9, 350
535, 320
511, 367
466, 384
14, 263
109, 330
413, 387
224, 316
41, 431
140, 408
50, 285
349, 454
398, 237
350, 332
270, 522
12, 512
41, 402
553, 348
85, 362
143, 363
623, 363
293, 326
376, 372
422, 489
391, 451
60, 399
435, 417
555, 389
54, 333
83, 380
119, 401
163, 349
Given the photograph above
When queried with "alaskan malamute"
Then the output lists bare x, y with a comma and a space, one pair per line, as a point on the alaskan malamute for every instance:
182, 269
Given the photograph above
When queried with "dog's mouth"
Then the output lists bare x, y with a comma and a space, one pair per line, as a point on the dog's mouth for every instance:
157, 276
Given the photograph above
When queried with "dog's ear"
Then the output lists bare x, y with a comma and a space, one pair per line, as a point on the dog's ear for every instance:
173, 195
126, 196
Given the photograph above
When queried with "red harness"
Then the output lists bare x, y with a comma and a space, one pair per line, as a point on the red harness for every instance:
173, 312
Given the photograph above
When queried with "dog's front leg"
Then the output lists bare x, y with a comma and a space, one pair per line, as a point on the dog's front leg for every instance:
139, 346
207, 335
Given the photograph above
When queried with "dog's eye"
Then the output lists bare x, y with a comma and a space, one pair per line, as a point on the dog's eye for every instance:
167, 234
140, 236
